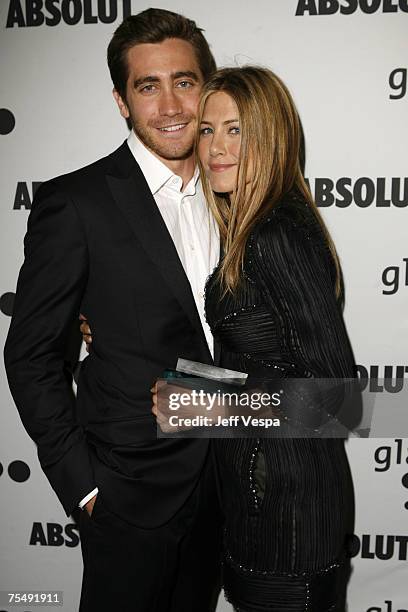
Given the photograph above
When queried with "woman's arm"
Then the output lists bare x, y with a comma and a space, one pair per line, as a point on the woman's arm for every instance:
290, 260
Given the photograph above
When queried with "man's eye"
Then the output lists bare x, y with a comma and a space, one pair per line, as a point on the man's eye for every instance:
184, 84
148, 88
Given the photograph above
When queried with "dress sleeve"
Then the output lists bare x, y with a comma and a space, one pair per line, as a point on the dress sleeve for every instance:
290, 261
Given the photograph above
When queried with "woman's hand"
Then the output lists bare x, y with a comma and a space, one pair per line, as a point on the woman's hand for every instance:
161, 392
166, 400
85, 331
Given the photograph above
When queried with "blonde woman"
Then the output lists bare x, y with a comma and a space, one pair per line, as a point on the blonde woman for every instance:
274, 305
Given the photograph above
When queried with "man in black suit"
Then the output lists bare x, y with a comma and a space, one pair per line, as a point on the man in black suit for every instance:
128, 242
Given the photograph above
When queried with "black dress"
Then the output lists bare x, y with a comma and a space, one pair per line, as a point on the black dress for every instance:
288, 503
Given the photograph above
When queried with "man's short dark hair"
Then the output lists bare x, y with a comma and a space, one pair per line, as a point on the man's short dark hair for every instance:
154, 26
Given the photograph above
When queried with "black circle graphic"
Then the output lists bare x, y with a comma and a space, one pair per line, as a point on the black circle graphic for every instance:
6, 305
404, 480
1, 471
19, 471
7, 121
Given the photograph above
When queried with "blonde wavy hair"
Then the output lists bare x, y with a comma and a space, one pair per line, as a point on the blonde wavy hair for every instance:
271, 143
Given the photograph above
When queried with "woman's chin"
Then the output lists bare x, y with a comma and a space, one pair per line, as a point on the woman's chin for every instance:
221, 188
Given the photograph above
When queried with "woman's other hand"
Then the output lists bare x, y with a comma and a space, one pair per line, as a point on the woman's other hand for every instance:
85, 331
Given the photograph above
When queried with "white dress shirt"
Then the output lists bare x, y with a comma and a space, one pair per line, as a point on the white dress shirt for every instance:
189, 223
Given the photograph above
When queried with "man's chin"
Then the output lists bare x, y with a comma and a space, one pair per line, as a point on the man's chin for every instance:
173, 151
177, 155
166, 148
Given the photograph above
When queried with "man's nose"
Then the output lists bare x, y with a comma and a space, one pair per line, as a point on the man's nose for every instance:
170, 103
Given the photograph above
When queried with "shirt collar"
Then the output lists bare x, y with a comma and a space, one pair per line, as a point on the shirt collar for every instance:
155, 172
191, 186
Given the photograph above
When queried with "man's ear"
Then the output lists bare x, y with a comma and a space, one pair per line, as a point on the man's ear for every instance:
123, 109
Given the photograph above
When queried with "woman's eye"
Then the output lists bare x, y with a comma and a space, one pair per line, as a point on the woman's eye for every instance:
235, 130
205, 131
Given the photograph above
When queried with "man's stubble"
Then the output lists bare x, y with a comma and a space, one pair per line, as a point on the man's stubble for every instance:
166, 150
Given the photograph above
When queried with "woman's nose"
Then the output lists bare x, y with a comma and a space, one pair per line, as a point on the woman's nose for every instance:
217, 146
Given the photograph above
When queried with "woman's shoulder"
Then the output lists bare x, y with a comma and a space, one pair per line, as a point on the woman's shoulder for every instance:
292, 218
288, 239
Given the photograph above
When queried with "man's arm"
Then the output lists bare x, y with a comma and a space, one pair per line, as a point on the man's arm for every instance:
50, 287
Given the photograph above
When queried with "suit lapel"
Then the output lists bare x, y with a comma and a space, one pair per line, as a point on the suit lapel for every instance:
134, 199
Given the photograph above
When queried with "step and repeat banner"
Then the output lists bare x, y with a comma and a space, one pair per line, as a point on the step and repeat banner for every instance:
346, 63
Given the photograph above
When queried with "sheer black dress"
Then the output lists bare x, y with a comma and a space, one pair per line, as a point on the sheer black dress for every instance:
288, 503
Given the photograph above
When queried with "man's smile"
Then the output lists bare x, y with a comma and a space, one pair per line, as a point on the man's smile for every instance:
173, 128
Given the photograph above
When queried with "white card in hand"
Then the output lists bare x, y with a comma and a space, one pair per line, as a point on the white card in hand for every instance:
195, 368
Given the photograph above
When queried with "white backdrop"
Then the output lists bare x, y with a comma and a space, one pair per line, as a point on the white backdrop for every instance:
348, 75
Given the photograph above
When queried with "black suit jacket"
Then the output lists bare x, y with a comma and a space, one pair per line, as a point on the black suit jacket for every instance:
96, 243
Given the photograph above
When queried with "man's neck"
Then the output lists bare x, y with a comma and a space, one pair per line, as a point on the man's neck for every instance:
182, 167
